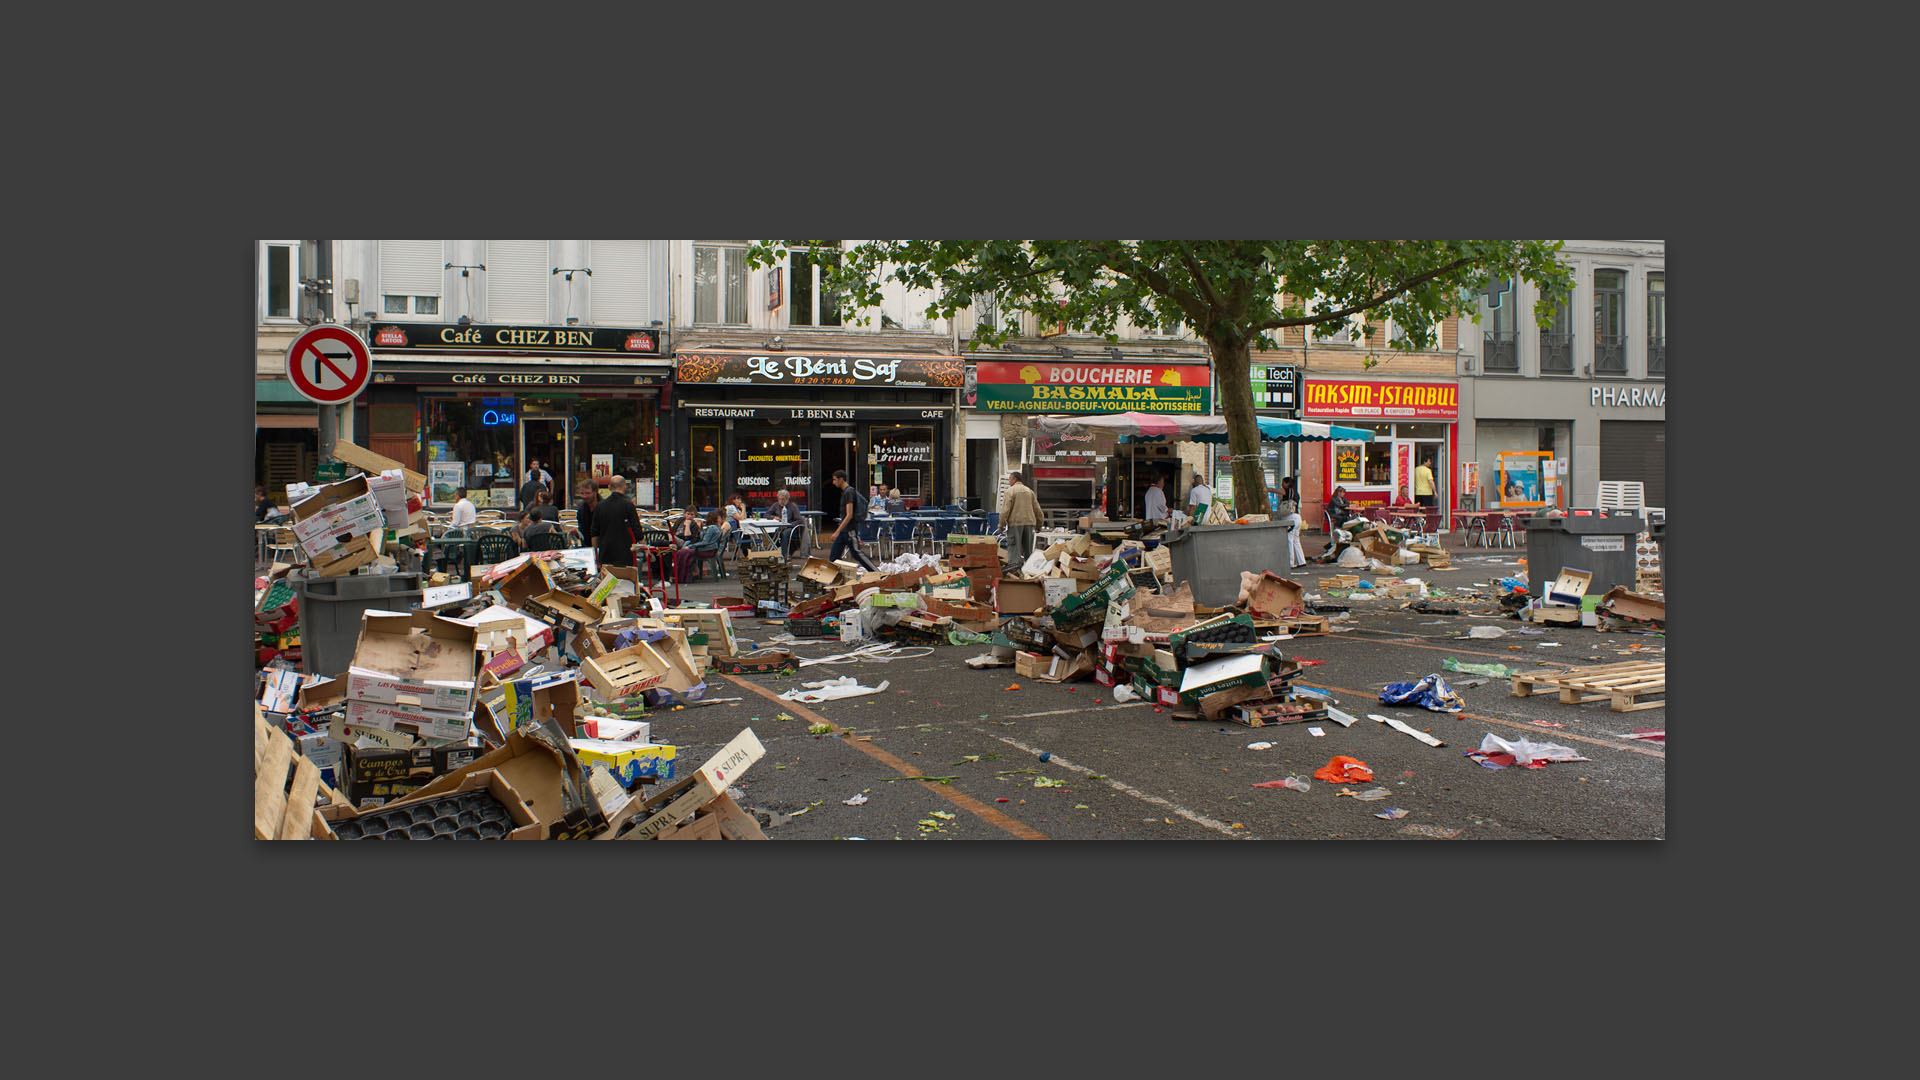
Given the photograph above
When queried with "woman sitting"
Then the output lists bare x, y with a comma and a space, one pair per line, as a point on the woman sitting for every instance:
711, 539
685, 533
1337, 507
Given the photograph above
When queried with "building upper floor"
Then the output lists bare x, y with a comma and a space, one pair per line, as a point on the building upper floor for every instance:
1613, 325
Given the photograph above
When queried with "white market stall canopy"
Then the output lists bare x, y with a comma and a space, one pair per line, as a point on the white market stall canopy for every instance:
1152, 427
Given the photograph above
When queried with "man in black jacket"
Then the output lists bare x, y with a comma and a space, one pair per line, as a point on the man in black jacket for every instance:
583, 512
536, 481
616, 525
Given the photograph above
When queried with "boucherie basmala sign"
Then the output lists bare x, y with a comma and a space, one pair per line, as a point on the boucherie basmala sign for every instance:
813, 369
1041, 386
1387, 400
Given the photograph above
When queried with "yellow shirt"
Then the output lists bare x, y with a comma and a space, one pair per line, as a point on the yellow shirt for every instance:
1422, 480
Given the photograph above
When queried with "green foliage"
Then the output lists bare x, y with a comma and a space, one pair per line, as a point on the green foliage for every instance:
1235, 294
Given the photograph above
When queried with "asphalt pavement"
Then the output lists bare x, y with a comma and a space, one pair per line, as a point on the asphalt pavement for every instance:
945, 752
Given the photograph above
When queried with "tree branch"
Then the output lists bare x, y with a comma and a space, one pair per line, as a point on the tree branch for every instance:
1403, 287
1193, 267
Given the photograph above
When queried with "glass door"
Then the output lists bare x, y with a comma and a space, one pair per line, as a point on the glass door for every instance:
546, 439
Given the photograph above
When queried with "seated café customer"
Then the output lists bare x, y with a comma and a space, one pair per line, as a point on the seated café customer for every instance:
711, 539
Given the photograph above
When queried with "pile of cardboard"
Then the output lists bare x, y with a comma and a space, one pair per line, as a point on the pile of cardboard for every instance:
361, 522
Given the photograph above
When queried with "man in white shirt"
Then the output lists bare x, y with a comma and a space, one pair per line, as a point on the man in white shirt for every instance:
1157, 500
464, 512
1199, 496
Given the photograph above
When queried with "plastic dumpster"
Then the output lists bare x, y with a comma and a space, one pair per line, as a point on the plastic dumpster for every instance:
1211, 557
330, 610
1601, 545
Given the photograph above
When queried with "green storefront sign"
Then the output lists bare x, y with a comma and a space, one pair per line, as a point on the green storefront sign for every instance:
1045, 398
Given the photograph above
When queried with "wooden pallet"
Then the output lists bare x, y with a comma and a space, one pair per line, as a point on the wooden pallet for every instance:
1623, 685
281, 812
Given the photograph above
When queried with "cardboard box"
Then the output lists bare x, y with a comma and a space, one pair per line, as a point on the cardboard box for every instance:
414, 658
526, 825
367, 461
958, 611
1213, 676
628, 762
1620, 602
820, 572
566, 606
980, 583
703, 789
396, 772
1019, 596
1067, 665
333, 515
717, 624
627, 672
1276, 596
1569, 588
421, 723
536, 771
528, 581
1059, 588
551, 695
1028, 665
613, 729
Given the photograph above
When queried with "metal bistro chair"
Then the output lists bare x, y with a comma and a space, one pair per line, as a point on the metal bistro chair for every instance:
495, 547
554, 539
1493, 529
870, 532
904, 532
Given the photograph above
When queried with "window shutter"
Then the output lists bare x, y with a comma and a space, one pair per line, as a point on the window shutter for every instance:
518, 274
411, 267
621, 293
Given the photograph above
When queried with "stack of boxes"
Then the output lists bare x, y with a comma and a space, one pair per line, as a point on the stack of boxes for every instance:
764, 576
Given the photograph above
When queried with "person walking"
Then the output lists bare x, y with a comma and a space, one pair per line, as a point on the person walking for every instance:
1423, 485
530, 487
616, 525
853, 511
464, 512
1019, 515
1157, 499
1287, 512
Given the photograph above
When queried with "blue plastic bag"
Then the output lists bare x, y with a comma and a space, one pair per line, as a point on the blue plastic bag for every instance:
1431, 693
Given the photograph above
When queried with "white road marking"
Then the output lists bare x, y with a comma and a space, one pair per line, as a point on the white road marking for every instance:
1198, 819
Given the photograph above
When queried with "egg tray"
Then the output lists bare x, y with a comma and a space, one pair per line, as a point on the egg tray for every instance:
471, 815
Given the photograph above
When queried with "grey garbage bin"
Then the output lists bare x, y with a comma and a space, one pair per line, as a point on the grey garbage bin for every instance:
1211, 557
330, 610
1602, 546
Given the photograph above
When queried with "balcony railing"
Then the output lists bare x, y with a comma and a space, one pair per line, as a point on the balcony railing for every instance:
1610, 354
1556, 354
1657, 356
1501, 351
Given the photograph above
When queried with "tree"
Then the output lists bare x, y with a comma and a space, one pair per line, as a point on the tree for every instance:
1233, 293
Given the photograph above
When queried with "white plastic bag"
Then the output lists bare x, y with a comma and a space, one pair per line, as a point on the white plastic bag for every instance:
1352, 557
1524, 751
1123, 693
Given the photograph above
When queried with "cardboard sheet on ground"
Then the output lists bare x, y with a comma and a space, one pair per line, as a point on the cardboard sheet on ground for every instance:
1403, 728
831, 690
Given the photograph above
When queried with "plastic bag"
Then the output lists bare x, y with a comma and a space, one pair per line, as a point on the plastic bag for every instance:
1498, 671
1431, 693
1352, 557
1123, 694
1524, 751
1344, 770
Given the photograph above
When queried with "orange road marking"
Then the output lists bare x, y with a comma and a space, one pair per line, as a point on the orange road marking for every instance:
1551, 733
965, 802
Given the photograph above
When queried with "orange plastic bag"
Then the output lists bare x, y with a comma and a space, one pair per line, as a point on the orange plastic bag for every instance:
1344, 770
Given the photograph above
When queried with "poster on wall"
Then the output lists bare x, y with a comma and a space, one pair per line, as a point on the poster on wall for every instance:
602, 469
1520, 478
1403, 472
1346, 463
1470, 484
446, 479
1549, 475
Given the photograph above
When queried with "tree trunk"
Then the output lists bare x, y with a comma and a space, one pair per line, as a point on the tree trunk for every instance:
1233, 377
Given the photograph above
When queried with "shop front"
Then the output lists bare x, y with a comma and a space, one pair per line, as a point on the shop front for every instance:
475, 405
759, 423
1078, 470
1414, 424
1540, 442
1276, 392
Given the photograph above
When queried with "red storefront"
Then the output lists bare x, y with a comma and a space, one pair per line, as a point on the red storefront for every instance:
1413, 423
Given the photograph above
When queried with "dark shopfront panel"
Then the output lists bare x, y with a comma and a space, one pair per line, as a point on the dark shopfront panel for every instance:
1636, 450
760, 448
491, 430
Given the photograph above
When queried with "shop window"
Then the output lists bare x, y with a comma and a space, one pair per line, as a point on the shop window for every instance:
280, 280
622, 432
1500, 340
813, 304
1419, 431
720, 284
469, 431
1610, 322
410, 277
1657, 323
768, 461
903, 461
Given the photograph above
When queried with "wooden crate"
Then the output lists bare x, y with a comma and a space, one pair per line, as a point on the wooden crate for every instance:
1624, 686
282, 811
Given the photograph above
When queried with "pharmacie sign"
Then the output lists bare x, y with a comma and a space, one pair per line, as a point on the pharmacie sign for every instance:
812, 369
1040, 386
1385, 400
1648, 397
492, 338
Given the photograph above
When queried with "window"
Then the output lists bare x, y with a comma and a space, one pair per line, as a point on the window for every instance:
410, 276
813, 304
519, 278
1609, 322
903, 461
622, 277
1657, 323
1556, 344
720, 283
1500, 340
280, 279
